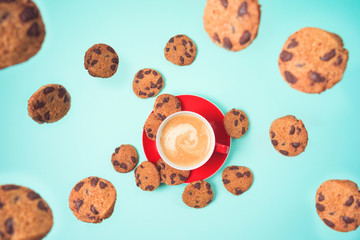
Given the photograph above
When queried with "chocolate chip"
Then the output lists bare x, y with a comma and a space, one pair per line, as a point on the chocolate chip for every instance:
242, 117
295, 144
94, 210
172, 176
90, 217
196, 206
284, 152
239, 174
138, 183
174, 47
233, 168
4, 16
171, 40
39, 105
191, 50
97, 50
300, 65
338, 61
154, 73
62, 92
236, 122
41, 206
182, 178
225, 181
238, 191
150, 135
66, 98
320, 207
187, 55
33, 195
329, 223
216, 38
153, 85
274, 142
113, 67
321, 197
78, 204
94, 181
245, 37
328, 55
140, 74
299, 129
110, 49
293, 43
142, 93
292, 130
191, 43
160, 80
178, 105
286, 56
141, 166
208, 186
7, 1
115, 60
47, 116
10, 187
290, 77
197, 185
149, 187
9, 226
184, 42
29, 13
151, 94
208, 202
242, 9
166, 99
136, 81
123, 165
159, 105
224, 3
349, 202
347, 220
160, 86
79, 186
1, 233
247, 173
102, 185
182, 59
272, 134
116, 163
48, 90
167, 49
316, 77
117, 150
1, 205
227, 43
133, 159
243, 130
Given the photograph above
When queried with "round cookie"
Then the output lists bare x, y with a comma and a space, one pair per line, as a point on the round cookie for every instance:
23, 214
236, 123
92, 199
151, 126
124, 159
49, 104
288, 136
313, 60
198, 194
22, 31
232, 24
237, 179
147, 176
180, 50
338, 204
101, 61
147, 83
165, 105
170, 175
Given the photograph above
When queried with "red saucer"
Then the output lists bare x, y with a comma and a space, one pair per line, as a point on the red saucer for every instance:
215, 117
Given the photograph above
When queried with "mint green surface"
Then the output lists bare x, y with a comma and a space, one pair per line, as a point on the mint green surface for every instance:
105, 113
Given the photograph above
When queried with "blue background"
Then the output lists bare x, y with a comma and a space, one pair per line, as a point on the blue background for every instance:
105, 113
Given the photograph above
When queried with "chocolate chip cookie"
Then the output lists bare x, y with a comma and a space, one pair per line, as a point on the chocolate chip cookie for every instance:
125, 158
232, 24
101, 60
151, 126
198, 194
237, 179
49, 104
147, 176
170, 175
92, 200
236, 123
338, 204
147, 83
288, 135
22, 31
313, 60
23, 214
165, 105
180, 50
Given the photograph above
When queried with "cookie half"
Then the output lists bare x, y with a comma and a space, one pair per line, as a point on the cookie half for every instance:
147, 83
198, 194
338, 204
147, 176
125, 158
237, 179
180, 50
92, 199
236, 123
313, 60
23, 213
49, 104
165, 105
151, 126
170, 175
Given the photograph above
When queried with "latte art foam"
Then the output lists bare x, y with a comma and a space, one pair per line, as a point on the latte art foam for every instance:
185, 140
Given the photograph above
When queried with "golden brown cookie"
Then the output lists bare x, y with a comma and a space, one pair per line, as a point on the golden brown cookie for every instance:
313, 60
236, 123
147, 176
92, 199
151, 126
170, 175
147, 83
124, 159
165, 105
288, 136
49, 104
180, 50
23, 214
232, 24
237, 179
22, 31
101, 60
198, 194
338, 204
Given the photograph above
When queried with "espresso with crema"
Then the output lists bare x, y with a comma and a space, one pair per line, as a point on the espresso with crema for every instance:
186, 140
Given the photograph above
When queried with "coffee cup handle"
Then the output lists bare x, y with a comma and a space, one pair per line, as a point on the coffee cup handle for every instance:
221, 148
